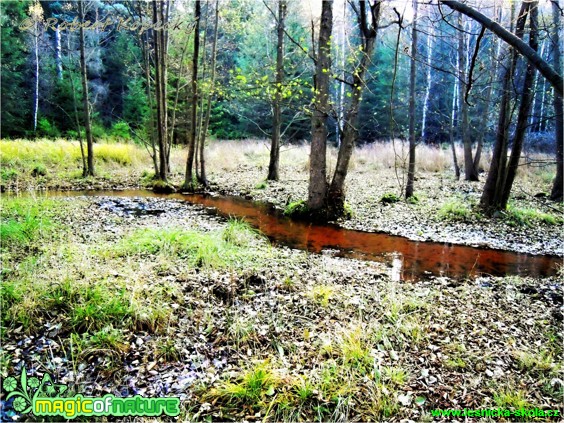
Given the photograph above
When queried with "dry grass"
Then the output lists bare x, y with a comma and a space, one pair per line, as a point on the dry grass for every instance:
62, 152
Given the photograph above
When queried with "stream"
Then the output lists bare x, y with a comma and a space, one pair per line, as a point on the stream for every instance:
409, 260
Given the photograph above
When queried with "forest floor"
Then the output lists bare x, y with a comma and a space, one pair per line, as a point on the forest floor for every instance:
175, 302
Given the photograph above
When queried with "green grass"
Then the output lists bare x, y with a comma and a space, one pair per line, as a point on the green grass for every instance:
24, 221
253, 388
541, 361
296, 208
513, 399
231, 247
261, 185
389, 198
529, 217
455, 210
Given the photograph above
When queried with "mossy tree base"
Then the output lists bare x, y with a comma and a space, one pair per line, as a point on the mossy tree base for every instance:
163, 187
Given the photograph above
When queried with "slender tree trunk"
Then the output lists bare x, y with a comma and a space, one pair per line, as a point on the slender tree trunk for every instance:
76, 117
160, 86
273, 167
369, 32
206, 119
538, 96
36, 90
341, 112
491, 199
201, 97
412, 108
428, 84
151, 130
58, 53
317, 191
85, 102
470, 173
487, 104
557, 187
193, 128
453, 119
524, 108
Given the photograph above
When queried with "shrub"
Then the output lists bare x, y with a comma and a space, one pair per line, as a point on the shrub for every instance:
389, 198
296, 208
414, 199
121, 131
39, 170
46, 129
454, 210
527, 217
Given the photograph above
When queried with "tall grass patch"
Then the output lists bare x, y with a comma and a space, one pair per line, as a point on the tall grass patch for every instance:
234, 246
64, 153
24, 221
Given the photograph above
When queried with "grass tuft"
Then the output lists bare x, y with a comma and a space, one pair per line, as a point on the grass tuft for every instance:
455, 210
389, 198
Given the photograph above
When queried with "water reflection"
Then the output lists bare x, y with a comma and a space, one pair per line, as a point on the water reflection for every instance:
409, 259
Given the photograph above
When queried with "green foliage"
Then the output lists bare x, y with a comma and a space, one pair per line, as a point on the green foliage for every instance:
46, 129
529, 217
215, 250
296, 208
39, 170
509, 398
7, 174
121, 131
253, 388
25, 221
261, 185
414, 199
16, 98
240, 233
455, 210
99, 306
348, 211
389, 198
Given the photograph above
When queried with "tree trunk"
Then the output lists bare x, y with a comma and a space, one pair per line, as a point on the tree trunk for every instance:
453, 118
58, 53
85, 102
188, 184
428, 83
524, 108
487, 104
206, 119
317, 191
470, 173
273, 167
160, 86
76, 117
412, 108
350, 131
36, 90
491, 199
557, 186
552, 75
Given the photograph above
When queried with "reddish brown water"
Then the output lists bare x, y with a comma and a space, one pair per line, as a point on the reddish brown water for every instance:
409, 259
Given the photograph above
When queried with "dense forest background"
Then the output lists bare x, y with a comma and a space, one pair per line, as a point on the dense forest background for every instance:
42, 63
176, 72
